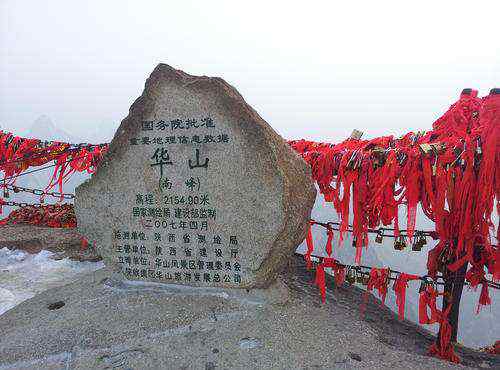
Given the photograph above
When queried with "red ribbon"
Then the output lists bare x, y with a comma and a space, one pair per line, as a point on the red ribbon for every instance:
338, 273
310, 247
399, 288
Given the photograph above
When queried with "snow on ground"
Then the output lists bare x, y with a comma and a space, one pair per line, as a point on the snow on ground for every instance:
23, 275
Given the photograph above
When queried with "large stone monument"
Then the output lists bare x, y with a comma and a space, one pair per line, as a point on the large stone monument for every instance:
196, 189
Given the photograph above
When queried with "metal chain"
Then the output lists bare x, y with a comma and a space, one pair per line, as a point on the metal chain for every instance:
39, 192
380, 231
365, 270
71, 147
40, 155
38, 169
47, 143
35, 205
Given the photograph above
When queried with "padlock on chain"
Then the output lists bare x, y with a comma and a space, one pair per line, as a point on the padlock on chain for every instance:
416, 245
423, 286
5, 192
419, 242
380, 237
350, 277
359, 277
399, 243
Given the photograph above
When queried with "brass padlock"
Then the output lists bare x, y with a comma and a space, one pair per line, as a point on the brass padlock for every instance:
402, 241
399, 243
366, 279
419, 243
478, 148
350, 277
423, 286
380, 236
5, 193
359, 277
416, 245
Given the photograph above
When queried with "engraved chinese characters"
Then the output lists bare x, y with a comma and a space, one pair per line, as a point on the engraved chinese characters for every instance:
196, 189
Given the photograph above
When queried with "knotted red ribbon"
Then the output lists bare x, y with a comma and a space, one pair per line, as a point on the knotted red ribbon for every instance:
310, 247
428, 300
399, 288
329, 245
379, 280
338, 273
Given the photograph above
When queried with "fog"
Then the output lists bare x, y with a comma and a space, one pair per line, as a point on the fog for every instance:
312, 69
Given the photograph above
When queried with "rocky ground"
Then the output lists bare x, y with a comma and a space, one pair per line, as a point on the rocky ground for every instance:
32, 239
99, 323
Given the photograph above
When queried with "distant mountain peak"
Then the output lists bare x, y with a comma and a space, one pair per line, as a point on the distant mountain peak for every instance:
44, 129
43, 121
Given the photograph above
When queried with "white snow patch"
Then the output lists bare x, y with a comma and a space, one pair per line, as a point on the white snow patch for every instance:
23, 275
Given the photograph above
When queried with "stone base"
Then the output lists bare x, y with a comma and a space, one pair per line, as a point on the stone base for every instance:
96, 323
65, 243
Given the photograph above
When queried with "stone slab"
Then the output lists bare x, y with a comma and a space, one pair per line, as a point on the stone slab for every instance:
196, 189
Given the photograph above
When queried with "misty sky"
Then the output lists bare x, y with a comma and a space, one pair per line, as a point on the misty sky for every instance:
312, 69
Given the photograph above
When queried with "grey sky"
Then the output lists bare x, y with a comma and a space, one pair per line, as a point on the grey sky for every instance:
312, 69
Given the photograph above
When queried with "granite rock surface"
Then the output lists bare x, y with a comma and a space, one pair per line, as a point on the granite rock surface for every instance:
200, 185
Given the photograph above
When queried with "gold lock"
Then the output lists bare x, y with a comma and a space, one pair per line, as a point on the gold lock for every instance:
419, 242
416, 246
423, 239
356, 134
366, 279
5, 193
399, 243
359, 277
379, 237
423, 286
350, 277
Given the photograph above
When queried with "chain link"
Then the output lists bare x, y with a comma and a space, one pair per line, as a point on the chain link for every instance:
39, 192
34, 205
380, 231
46, 143
365, 271
71, 147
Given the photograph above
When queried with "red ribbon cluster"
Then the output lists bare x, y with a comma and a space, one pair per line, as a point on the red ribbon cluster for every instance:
17, 154
338, 273
428, 302
57, 215
379, 280
450, 171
